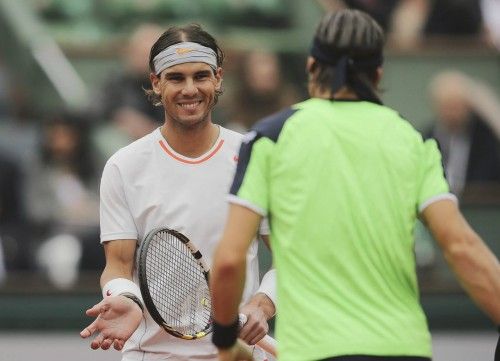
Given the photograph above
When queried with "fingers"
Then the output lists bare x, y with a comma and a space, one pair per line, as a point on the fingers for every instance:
256, 338
89, 330
106, 343
118, 344
246, 326
253, 331
97, 342
97, 309
253, 337
94, 311
245, 332
100, 341
107, 325
256, 326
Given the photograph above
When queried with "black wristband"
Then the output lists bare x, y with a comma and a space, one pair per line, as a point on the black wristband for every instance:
225, 336
135, 299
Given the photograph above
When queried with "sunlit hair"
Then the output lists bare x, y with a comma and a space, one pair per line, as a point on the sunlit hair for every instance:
177, 34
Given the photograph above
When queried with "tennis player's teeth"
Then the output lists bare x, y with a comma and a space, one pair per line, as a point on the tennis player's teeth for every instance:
190, 105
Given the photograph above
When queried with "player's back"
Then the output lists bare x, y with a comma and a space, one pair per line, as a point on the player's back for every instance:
345, 186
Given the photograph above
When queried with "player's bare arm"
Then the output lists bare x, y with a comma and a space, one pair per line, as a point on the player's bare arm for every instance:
228, 272
476, 267
119, 260
117, 316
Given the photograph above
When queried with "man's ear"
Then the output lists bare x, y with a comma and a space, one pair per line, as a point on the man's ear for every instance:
309, 64
155, 83
218, 77
378, 75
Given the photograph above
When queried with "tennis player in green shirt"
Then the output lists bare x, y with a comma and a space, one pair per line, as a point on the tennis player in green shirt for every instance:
343, 179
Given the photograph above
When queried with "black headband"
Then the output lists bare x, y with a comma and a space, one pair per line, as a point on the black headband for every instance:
342, 62
327, 55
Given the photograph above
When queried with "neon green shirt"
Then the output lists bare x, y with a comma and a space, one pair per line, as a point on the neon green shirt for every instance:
342, 183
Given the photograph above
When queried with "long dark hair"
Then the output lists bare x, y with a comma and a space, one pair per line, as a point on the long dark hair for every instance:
81, 160
177, 34
348, 47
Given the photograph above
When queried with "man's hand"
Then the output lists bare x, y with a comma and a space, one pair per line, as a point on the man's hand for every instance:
258, 310
238, 352
116, 320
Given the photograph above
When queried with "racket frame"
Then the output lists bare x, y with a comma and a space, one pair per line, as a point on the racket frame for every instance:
143, 284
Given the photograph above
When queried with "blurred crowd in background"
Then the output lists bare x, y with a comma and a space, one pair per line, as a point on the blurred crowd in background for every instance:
51, 160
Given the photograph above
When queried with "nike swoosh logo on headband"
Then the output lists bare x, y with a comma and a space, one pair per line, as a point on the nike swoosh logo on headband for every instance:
182, 51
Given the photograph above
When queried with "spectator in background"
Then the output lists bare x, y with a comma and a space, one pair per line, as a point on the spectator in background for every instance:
417, 20
408, 22
122, 99
4, 101
454, 18
261, 89
3, 272
380, 10
464, 131
401, 19
490, 10
63, 200
14, 245
17, 151
18, 132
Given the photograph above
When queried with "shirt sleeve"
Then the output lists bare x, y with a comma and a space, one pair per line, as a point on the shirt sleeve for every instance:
251, 183
115, 217
433, 185
264, 229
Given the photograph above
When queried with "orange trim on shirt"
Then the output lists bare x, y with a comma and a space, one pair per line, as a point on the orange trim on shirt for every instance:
198, 161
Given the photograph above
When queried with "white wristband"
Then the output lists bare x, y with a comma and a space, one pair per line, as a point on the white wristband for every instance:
120, 286
268, 285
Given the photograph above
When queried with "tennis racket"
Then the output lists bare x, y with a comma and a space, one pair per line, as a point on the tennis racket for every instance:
173, 278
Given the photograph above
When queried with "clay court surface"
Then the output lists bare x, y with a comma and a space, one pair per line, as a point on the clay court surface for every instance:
470, 346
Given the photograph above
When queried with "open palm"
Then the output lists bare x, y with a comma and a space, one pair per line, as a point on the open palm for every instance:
116, 320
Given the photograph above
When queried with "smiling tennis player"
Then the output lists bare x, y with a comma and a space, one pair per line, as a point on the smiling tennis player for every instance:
175, 177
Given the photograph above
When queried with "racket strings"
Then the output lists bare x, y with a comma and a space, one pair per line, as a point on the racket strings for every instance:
177, 285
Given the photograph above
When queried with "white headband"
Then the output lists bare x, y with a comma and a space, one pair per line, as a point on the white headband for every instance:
186, 52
